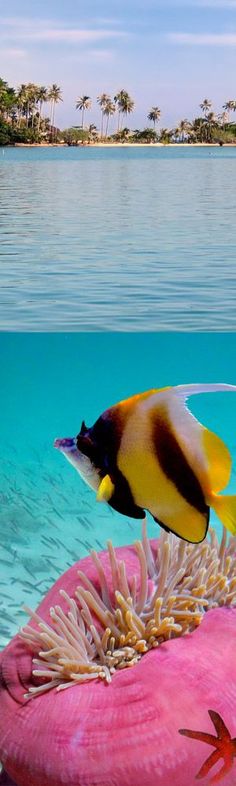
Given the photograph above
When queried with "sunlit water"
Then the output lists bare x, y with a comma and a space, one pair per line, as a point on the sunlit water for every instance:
118, 239
49, 383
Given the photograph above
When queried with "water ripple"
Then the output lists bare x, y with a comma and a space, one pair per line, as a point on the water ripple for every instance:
118, 239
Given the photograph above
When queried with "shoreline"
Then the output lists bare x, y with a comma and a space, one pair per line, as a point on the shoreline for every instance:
123, 144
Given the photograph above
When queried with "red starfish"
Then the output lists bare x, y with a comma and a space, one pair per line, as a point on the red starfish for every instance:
224, 744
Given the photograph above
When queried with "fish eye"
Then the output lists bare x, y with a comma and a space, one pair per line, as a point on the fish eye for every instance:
85, 445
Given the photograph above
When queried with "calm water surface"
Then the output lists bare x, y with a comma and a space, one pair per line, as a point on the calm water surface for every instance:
118, 239
49, 518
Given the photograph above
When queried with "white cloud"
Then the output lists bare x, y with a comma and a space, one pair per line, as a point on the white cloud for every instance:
24, 29
151, 5
93, 56
202, 39
215, 4
67, 35
12, 52
101, 54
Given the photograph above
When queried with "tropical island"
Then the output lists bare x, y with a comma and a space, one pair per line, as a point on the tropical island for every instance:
27, 117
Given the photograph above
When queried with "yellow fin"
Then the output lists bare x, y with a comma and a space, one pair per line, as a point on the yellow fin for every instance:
105, 489
190, 526
218, 458
225, 508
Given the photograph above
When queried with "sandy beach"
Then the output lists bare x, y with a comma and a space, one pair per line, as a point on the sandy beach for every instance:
127, 144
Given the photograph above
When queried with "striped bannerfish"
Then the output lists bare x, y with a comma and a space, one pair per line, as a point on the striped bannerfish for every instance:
149, 452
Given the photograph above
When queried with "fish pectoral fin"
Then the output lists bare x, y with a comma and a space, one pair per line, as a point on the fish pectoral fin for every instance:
218, 460
105, 490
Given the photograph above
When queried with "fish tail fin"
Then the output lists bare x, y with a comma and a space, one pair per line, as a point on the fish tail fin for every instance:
225, 509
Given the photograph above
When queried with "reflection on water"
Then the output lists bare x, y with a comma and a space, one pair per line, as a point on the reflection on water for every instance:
118, 239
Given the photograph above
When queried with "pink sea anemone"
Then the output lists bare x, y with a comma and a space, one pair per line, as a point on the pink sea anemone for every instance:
134, 679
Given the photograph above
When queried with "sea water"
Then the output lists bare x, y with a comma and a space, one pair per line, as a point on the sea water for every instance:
118, 238
50, 382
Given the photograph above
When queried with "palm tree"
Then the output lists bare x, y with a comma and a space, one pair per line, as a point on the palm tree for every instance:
3, 96
21, 101
125, 105
26, 98
183, 128
198, 129
109, 109
7, 101
147, 135
92, 129
30, 101
206, 106
93, 132
211, 124
230, 106
102, 101
3, 88
154, 115
54, 95
223, 118
42, 97
123, 135
83, 103
165, 136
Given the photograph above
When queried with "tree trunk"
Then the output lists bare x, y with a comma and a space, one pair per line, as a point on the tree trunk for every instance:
53, 118
82, 118
107, 123
101, 123
51, 111
39, 117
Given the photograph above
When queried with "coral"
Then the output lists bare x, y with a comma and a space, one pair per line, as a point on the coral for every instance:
110, 629
124, 729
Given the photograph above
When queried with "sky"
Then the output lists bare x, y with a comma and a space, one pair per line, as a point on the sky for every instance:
165, 53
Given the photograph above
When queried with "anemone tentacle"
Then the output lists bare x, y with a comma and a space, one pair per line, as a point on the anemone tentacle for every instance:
110, 629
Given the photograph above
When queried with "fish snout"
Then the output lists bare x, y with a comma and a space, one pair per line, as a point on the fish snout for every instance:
67, 443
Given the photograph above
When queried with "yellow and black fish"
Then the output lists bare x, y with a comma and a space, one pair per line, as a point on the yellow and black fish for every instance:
150, 453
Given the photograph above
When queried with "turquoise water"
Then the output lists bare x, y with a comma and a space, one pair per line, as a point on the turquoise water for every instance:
49, 383
118, 239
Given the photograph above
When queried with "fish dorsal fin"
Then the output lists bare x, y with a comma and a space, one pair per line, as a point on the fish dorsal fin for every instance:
181, 394
184, 391
205, 452
217, 455
218, 460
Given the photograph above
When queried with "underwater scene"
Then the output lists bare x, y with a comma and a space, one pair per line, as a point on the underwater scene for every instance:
116, 645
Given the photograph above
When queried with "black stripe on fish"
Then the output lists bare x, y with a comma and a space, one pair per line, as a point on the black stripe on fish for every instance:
101, 444
122, 499
174, 464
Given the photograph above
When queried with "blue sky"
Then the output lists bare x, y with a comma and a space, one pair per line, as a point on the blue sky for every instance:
167, 53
